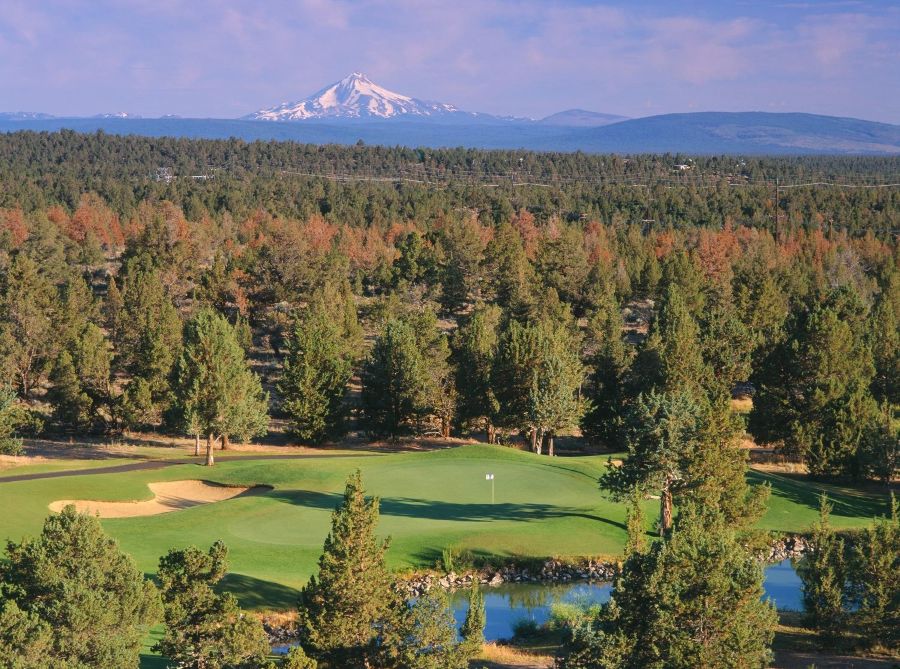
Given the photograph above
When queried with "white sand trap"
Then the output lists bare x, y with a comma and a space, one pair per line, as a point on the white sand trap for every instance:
168, 496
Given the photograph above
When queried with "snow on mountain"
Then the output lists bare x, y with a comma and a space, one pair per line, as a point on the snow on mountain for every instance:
117, 115
353, 97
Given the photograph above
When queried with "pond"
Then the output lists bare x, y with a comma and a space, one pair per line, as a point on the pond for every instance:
507, 604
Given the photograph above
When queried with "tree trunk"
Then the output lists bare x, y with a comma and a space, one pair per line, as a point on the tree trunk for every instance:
197, 445
665, 511
491, 433
539, 442
210, 458
534, 438
226, 442
445, 428
550, 451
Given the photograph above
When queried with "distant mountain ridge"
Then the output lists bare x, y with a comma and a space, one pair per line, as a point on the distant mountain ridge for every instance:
581, 118
353, 97
356, 109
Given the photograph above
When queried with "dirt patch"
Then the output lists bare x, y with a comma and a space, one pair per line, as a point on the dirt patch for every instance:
168, 496
497, 656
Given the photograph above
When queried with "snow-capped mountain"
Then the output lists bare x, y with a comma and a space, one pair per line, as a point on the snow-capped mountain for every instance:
354, 97
117, 115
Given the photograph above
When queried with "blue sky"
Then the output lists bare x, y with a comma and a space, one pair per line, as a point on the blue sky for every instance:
225, 58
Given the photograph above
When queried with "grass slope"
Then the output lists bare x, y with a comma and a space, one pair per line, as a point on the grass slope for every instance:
429, 500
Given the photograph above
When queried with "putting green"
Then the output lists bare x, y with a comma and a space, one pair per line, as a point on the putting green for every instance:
429, 500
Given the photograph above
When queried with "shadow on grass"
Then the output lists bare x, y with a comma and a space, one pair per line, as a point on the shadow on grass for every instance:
254, 593
436, 510
847, 502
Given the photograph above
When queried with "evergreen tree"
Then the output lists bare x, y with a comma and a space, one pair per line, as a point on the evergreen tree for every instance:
349, 607
508, 272
316, 373
428, 635
72, 407
663, 438
394, 380
215, 390
74, 580
462, 250
297, 658
681, 362
438, 397
555, 403
873, 584
28, 305
884, 341
26, 641
610, 362
813, 394
635, 525
474, 349
823, 573
204, 629
472, 630
148, 328
12, 417
693, 600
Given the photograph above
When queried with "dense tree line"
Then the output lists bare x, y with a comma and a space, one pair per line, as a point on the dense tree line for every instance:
516, 322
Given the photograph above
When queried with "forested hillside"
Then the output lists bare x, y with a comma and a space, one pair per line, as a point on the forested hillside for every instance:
501, 294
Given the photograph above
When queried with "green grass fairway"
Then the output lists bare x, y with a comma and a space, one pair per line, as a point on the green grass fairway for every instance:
429, 500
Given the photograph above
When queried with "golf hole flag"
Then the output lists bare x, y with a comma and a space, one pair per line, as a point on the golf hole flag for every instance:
488, 477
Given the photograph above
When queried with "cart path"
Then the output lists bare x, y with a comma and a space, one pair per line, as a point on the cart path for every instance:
149, 465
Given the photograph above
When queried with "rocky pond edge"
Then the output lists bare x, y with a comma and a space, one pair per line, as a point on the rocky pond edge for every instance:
552, 570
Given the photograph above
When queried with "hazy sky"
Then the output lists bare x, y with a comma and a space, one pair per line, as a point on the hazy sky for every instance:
225, 58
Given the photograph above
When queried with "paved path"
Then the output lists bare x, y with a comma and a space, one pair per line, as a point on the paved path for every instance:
159, 464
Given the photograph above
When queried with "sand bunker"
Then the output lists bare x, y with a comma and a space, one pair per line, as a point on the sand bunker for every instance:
168, 496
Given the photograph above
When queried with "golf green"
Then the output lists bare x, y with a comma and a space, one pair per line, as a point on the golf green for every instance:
429, 500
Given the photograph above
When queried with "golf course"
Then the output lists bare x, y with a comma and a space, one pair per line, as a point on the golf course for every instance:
430, 500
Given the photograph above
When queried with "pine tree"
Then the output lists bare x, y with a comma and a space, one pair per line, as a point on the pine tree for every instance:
610, 362
72, 407
438, 399
555, 402
472, 630
394, 380
873, 583
512, 376
707, 592
215, 390
682, 367
26, 641
297, 658
204, 629
74, 580
28, 305
148, 328
12, 417
635, 525
428, 635
693, 600
349, 606
316, 373
663, 438
823, 573
884, 341
474, 349
509, 274
813, 394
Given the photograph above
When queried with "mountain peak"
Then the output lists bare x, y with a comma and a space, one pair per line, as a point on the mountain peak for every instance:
353, 97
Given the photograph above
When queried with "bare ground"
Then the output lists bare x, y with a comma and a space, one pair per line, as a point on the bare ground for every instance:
168, 496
